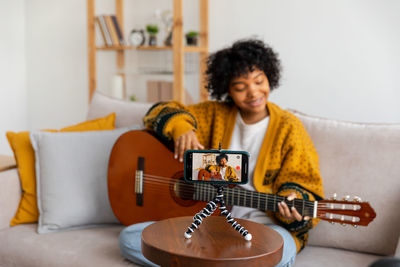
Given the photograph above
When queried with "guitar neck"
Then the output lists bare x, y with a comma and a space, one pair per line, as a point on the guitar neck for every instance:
252, 199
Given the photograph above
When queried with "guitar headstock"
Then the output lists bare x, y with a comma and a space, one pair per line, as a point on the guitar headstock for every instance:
345, 211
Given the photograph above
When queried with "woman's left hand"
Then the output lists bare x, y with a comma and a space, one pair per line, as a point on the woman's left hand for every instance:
290, 213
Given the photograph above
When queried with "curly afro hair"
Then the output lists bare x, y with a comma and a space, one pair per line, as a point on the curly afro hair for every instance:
220, 157
242, 57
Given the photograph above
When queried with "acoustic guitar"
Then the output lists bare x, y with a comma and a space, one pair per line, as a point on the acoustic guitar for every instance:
204, 175
145, 183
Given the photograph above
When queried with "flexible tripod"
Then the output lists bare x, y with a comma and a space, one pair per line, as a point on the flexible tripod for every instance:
209, 209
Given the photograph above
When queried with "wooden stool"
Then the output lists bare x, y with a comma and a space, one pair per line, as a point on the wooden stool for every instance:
215, 243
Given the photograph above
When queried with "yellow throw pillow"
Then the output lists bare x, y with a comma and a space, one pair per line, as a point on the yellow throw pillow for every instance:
25, 157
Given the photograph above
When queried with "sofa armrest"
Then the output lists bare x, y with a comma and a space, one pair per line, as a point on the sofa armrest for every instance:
7, 162
10, 195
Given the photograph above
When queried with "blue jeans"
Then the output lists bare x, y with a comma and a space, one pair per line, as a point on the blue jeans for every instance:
130, 245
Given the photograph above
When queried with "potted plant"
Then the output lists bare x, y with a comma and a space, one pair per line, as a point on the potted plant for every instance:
191, 38
152, 30
132, 98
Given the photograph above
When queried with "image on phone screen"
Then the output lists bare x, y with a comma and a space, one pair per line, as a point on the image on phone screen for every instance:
219, 167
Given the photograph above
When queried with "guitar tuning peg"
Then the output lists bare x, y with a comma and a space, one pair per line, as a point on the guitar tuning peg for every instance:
355, 225
334, 196
346, 198
343, 224
332, 222
357, 199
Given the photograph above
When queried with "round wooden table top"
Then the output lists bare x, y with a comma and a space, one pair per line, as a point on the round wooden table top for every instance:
214, 243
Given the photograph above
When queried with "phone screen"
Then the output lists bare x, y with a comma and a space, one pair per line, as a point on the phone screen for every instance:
212, 166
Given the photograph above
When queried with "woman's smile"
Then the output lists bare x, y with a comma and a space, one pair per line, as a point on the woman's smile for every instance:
256, 102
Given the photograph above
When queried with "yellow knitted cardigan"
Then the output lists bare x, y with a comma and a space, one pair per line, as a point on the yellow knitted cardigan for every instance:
287, 162
230, 174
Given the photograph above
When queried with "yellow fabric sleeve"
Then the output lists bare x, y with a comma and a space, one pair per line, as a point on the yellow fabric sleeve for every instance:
169, 120
299, 174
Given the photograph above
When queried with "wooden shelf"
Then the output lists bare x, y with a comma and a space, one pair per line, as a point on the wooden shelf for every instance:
188, 49
178, 48
195, 49
150, 72
129, 47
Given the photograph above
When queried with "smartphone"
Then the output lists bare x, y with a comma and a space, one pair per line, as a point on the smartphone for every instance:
216, 166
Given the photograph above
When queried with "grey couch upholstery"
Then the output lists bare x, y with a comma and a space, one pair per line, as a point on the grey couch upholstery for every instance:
355, 159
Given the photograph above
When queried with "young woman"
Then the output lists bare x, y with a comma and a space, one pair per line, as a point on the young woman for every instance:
283, 159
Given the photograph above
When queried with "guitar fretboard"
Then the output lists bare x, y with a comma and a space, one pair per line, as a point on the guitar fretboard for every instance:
252, 199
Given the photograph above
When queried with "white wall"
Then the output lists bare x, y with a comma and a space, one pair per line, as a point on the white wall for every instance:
340, 58
13, 111
56, 62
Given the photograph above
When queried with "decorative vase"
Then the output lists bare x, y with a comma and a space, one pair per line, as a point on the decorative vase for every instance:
191, 40
152, 40
168, 40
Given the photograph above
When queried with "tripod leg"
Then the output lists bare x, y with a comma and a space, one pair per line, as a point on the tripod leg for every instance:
198, 218
232, 221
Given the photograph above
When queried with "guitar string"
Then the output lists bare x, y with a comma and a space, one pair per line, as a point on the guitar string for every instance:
241, 193
237, 192
310, 213
163, 189
306, 212
207, 187
298, 203
167, 179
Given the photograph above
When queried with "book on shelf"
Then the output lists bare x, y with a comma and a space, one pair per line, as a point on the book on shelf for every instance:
103, 28
166, 93
99, 33
118, 30
112, 30
159, 91
153, 92
163, 91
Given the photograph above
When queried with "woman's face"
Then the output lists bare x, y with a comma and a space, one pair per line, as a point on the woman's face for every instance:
223, 162
250, 94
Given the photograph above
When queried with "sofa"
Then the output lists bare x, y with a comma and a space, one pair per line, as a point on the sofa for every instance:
355, 159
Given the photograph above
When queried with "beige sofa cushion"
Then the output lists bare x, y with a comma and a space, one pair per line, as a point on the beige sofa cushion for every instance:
21, 246
359, 159
331, 257
127, 112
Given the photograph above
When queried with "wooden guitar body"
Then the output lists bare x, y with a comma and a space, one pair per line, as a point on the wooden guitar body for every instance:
207, 176
160, 190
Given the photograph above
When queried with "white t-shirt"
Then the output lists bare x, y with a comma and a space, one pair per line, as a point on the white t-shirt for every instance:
222, 171
249, 137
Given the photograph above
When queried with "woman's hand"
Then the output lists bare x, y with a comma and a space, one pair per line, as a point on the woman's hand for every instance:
291, 213
184, 142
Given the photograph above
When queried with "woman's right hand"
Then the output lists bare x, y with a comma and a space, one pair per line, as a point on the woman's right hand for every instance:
184, 142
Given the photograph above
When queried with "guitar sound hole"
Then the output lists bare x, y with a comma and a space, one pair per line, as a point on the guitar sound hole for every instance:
181, 191
184, 190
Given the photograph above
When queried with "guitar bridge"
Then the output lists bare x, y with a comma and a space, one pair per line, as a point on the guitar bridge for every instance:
139, 182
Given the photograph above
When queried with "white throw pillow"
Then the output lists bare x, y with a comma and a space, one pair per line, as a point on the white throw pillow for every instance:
127, 112
71, 178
